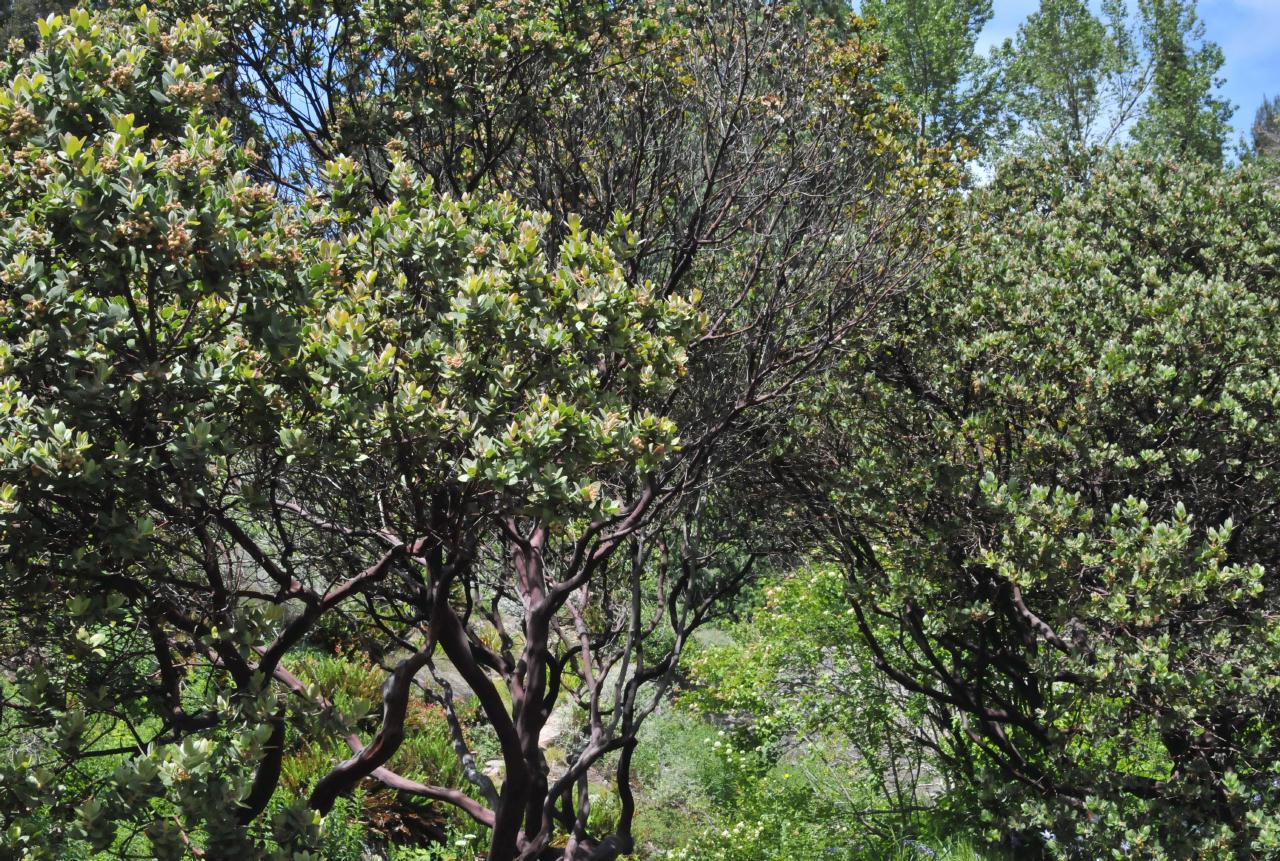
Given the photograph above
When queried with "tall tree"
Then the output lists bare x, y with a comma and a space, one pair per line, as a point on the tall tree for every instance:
18, 20
1266, 128
953, 91
1184, 116
1075, 79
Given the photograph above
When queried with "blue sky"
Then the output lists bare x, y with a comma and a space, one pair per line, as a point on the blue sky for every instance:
1247, 30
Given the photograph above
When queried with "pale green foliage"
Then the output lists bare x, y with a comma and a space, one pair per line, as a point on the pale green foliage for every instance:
140, 268
799, 669
1047, 479
498, 369
459, 845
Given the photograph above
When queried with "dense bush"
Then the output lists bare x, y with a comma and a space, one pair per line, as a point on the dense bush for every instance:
243, 409
1059, 522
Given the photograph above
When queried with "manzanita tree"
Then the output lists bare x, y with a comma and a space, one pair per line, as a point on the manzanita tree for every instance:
247, 396
216, 406
1074, 561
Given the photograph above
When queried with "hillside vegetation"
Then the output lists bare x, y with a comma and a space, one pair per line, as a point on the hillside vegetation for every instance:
707, 431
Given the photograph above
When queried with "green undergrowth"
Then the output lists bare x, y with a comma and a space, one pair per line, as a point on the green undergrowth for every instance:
703, 798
